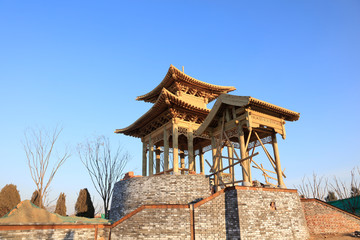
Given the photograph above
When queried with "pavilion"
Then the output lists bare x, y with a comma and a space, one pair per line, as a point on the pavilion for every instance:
179, 125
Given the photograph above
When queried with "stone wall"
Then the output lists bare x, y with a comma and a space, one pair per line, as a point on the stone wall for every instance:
322, 218
158, 189
244, 212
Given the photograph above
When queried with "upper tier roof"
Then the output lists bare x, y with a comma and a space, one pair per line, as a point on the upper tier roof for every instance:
163, 102
175, 74
245, 101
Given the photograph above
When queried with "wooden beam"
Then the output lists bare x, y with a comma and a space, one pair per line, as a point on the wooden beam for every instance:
266, 151
239, 161
211, 169
262, 169
234, 151
248, 140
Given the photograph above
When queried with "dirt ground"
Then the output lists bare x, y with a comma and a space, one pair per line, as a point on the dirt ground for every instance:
347, 236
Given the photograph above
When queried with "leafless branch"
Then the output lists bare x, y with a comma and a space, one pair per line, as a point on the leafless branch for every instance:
104, 166
39, 146
317, 187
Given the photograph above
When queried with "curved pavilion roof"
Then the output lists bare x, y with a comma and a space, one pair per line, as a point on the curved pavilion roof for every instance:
175, 74
165, 101
244, 101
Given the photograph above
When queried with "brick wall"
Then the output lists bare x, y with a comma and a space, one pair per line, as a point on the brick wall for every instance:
245, 212
63, 232
159, 189
156, 222
233, 213
324, 218
237, 213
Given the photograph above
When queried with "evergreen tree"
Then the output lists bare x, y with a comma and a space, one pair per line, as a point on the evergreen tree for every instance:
60, 205
35, 199
84, 206
331, 197
9, 198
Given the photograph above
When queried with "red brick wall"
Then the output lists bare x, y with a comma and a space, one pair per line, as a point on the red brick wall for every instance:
324, 218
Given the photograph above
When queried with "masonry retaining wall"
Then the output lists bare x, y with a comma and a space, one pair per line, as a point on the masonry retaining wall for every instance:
245, 213
58, 231
323, 218
233, 213
158, 189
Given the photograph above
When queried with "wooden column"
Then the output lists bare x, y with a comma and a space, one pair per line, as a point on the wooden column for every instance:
215, 162
151, 157
182, 160
144, 158
231, 156
166, 150
190, 137
246, 179
175, 141
194, 169
201, 155
157, 159
277, 162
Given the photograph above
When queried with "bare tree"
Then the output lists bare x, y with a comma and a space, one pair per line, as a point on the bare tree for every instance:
317, 187
104, 167
39, 147
349, 195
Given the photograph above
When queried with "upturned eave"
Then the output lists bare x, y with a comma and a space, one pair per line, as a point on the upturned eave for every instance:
175, 74
166, 100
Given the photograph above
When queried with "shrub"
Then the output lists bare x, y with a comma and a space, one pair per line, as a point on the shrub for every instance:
60, 205
9, 198
84, 206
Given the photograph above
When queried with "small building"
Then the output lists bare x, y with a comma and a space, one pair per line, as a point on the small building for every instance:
179, 108
179, 128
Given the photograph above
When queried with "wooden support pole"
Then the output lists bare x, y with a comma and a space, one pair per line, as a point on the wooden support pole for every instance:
279, 172
144, 158
266, 151
237, 156
166, 150
151, 157
238, 162
245, 173
212, 169
201, 155
213, 146
182, 160
248, 140
157, 152
231, 157
175, 141
273, 163
194, 161
190, 137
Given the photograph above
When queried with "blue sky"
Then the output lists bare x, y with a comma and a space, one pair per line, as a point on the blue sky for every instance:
80, 64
